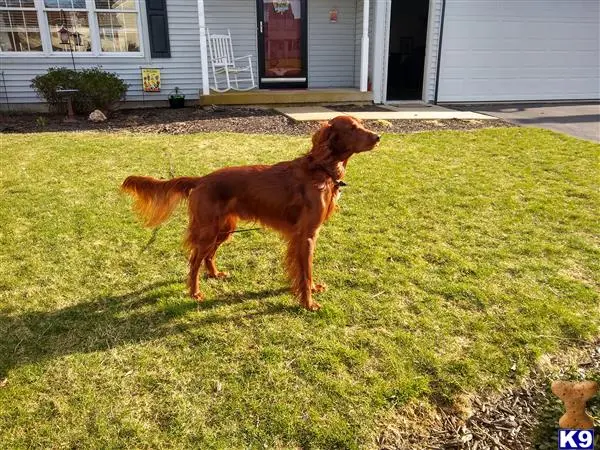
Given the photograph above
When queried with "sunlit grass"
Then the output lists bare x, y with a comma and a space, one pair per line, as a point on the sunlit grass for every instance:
454, 257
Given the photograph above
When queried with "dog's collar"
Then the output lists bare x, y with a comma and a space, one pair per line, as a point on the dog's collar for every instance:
336, 182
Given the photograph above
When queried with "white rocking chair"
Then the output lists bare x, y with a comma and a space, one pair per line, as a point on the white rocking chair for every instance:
223, 62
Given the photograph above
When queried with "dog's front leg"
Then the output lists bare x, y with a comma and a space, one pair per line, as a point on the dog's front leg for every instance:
299, 261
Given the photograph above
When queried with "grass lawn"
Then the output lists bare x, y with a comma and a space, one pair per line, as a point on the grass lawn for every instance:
455, 257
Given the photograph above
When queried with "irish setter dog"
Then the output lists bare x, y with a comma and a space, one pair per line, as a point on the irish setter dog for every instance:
292, 197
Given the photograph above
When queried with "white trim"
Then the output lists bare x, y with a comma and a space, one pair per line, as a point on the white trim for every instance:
96, 55
93, 23
364, 49
203, 48
381, 38
65, 9
381, 49
44, 27
430, 46
283, 79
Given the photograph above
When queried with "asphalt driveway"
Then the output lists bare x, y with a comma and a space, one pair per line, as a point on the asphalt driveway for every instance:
579, 120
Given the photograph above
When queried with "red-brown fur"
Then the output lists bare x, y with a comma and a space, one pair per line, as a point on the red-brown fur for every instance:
293, 197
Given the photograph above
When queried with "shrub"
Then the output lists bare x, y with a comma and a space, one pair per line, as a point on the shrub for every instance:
102, 90
97, 89
56, 78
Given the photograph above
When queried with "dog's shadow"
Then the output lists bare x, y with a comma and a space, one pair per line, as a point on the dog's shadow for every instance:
112, 321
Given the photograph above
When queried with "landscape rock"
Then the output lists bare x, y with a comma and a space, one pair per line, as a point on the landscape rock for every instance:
97, 116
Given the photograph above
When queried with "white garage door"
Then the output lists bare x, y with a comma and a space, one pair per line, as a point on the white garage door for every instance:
510, 50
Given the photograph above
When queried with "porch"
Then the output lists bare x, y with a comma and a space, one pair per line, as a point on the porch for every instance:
286, 96
292, 44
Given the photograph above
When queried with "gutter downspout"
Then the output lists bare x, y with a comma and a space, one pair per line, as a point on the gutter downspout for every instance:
203, 48
439, 54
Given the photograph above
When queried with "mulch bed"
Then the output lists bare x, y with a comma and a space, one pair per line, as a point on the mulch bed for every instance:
521, 418
216, 118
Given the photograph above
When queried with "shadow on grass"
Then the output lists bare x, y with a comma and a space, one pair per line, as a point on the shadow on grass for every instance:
112, 321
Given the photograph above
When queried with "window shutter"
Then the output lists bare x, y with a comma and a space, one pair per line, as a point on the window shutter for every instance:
158, 28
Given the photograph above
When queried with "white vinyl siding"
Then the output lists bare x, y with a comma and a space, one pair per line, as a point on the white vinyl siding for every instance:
238, 16
520, 50
332, 46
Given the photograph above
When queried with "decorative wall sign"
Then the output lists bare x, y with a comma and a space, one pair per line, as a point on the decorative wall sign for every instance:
281, 6
151, 80
333, 13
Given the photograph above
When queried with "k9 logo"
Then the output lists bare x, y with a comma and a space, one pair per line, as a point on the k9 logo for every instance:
575, 439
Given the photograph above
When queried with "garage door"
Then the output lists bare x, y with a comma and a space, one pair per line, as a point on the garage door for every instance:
514, 50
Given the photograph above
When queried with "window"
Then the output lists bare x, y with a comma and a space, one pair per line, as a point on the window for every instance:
73, 15
117, 22
95, 26
19, 28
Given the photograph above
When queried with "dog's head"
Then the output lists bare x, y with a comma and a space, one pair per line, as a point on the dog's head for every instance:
343, 136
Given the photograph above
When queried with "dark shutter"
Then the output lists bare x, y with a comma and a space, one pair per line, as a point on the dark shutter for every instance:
158, 28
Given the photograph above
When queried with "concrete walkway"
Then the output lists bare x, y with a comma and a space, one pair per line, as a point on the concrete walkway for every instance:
579, 120
408, 112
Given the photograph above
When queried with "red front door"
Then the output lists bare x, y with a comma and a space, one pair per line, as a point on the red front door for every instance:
282, 43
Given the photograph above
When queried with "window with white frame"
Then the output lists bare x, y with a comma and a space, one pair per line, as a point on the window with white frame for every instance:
19, 27
74, 16
117, 23
94, 26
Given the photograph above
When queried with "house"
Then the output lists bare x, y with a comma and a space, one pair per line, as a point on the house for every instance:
384, 50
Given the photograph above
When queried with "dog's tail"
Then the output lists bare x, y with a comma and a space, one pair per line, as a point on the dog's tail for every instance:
155, 200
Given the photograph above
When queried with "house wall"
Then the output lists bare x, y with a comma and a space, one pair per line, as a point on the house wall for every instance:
333, 50
332, 46
239, 17
182, 69
520, 50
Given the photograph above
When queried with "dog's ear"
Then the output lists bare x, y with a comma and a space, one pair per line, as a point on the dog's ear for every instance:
322, 135
337, 143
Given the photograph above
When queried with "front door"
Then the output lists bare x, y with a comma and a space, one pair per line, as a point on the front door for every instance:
282, 46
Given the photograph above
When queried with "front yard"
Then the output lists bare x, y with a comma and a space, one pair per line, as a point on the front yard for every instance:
456, 260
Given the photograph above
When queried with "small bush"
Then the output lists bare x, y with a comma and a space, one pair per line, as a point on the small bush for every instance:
102, 90
56, 78
41, 122
97, 89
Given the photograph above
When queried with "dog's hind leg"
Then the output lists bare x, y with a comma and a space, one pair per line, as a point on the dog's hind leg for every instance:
201, 240
196, 257
226, 227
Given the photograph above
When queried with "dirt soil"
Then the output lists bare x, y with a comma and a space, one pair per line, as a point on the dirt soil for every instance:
216, 118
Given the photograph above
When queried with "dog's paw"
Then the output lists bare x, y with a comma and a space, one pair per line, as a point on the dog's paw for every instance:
318, 288
313, 306
217, 275
198, 296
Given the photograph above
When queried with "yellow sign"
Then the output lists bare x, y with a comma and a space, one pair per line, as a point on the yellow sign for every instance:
151, 80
